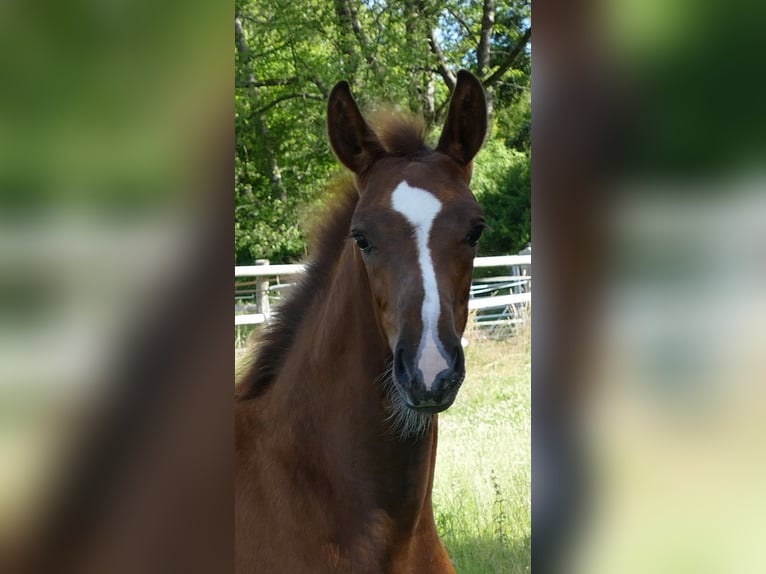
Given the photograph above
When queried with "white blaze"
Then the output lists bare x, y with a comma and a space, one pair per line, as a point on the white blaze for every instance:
420, 208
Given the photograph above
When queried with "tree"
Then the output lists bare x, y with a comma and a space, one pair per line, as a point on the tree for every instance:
289, 54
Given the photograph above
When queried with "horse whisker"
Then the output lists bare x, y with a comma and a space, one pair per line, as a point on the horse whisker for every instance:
405, 422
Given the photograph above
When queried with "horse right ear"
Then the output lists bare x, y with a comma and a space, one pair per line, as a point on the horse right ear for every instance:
352, 140
466, 124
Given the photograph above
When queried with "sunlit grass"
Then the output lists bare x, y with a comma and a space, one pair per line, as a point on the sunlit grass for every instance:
483, 470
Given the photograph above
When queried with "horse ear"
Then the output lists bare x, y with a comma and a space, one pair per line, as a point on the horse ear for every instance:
466, 124
352, 140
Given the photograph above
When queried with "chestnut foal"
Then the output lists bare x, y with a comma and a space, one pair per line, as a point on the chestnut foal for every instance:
336, 423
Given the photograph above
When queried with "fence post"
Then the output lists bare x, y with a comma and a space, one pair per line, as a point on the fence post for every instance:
516, 272
262, 294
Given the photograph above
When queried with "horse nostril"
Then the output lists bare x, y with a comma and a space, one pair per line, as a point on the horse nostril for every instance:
458, 359
400, 368
456, 378
449, 378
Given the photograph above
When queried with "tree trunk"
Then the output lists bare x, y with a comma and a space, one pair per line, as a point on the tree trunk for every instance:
346, 45
275, 174
483, 53
485, 38
350, 27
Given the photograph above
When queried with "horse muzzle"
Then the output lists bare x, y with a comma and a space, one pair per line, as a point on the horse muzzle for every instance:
434, 395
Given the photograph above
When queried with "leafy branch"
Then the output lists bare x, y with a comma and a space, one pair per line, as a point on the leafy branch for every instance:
510, 60
273, 103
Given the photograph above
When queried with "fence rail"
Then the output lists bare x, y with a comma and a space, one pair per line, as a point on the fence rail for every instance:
295, 269
267, 270
486, 293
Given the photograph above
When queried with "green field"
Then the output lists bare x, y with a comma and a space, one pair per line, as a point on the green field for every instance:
483, 469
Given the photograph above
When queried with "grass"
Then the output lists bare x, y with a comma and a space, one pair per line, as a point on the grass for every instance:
483, 469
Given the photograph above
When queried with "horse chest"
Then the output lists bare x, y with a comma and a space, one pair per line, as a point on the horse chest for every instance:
296, 519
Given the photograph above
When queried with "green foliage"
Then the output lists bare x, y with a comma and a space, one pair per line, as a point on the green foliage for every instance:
502, 185
288, 55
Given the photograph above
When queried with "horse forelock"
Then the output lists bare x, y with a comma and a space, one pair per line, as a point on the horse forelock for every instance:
402, 135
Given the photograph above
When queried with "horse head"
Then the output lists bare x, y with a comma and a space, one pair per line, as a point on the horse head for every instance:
416, 227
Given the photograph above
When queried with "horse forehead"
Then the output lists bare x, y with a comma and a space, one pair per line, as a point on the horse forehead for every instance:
418, 205
432, 206
433, 174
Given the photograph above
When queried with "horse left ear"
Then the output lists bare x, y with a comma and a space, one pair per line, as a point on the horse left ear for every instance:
352, 140
466, 125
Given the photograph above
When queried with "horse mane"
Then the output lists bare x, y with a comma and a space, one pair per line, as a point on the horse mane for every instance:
274, 343
401, 136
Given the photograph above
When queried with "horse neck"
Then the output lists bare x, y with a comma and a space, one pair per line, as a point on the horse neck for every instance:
334, 410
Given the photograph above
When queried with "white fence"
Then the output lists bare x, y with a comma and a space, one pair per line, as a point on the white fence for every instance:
497, 299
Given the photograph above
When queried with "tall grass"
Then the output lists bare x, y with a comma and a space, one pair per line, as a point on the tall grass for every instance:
483, 469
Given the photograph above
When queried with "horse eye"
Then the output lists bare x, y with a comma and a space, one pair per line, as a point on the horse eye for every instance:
361, 241
475, 234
